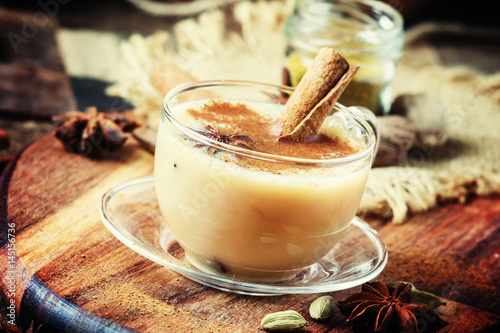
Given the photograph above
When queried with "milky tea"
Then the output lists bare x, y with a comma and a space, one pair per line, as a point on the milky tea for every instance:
245, 205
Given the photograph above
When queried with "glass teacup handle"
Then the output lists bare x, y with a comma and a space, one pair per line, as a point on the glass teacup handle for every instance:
371, 119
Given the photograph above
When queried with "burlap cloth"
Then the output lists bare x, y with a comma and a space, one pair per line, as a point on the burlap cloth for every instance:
458, 65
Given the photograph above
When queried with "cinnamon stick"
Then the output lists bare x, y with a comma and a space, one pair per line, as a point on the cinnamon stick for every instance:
315, 95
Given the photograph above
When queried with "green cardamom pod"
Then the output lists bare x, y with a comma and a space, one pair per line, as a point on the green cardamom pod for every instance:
322, 308
419, 296
283, 321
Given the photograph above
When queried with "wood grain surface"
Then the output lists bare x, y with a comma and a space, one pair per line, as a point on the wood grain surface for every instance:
78, 277
73, 275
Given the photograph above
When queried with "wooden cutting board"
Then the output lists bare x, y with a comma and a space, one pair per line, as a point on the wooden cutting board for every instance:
77, 277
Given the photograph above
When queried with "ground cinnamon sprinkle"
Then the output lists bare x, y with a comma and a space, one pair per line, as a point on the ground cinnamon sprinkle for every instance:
238, 119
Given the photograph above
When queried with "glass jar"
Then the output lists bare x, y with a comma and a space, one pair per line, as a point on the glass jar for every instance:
367, 33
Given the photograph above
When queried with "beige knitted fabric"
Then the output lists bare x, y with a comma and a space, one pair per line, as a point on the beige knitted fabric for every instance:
468, 164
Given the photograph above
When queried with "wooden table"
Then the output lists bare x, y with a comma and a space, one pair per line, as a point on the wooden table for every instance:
73, 275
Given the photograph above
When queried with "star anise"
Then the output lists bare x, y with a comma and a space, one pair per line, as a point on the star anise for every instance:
232, 139
91, 132
376, 309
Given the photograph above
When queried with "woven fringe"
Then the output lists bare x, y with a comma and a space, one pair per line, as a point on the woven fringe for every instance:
204, 47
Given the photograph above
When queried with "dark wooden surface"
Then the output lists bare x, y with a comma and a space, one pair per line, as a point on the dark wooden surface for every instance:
33, 82
74, 276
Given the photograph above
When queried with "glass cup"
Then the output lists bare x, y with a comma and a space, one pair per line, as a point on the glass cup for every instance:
250, 215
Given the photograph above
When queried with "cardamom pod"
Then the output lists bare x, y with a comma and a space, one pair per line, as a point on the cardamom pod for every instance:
322, 308
283, 321
419, 296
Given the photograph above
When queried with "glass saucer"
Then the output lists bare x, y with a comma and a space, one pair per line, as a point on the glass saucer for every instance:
130, 211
